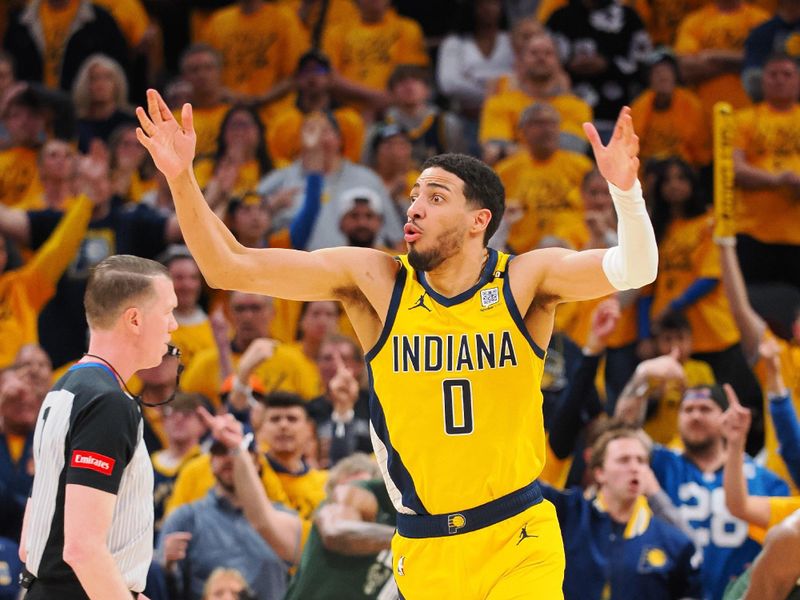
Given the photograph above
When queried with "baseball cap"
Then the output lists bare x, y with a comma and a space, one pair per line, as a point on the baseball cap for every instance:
351, 198
384, 132
314, 57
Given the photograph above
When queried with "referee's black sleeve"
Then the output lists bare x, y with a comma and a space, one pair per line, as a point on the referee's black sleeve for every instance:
102, 441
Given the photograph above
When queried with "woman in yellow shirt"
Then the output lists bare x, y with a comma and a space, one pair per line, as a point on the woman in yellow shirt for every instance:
689, 278
241, 159
132, 170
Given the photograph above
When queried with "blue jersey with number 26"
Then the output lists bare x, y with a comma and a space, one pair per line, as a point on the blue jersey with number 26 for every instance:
723, 539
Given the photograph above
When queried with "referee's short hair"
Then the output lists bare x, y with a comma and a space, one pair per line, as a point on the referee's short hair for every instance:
116, 282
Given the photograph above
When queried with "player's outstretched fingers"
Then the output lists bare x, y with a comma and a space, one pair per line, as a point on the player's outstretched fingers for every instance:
187, 118
594, 138
153, 109
144, 121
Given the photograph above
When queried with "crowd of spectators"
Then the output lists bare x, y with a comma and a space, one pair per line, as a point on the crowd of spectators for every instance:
673, 436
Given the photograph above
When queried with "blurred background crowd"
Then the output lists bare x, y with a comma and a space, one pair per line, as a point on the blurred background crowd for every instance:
673, 440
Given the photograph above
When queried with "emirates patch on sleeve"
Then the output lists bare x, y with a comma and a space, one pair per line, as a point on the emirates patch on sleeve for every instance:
83, 459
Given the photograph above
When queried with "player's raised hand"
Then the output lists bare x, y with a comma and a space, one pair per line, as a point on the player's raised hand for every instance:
171, 144
618, 162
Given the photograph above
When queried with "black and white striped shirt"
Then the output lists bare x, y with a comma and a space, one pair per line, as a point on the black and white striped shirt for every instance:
90, 433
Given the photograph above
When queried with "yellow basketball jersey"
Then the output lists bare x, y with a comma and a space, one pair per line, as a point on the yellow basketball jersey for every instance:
456, 404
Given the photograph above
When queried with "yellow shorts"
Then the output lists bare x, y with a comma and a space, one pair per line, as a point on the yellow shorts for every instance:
520, 557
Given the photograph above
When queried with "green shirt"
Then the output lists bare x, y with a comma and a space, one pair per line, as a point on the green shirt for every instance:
326, 575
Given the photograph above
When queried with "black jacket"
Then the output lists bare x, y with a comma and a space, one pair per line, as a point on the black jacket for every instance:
97, 32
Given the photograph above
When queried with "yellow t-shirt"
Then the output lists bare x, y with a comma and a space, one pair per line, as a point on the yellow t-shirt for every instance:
681, 130
196, 479
687, 253
790, 370
768, 140
304, 491
283, 371
19, 171
501, 112
131, 17
247, 179
207, 122
192, 338
544, 190
711, 28
311, 375
287, 319
283, 134
782, 507
662, 17
56, 25
367, 53
25, 291
338, 12
258, 49
663, 425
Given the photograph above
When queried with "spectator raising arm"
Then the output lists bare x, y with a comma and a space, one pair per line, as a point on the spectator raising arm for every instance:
736, 423
281, 530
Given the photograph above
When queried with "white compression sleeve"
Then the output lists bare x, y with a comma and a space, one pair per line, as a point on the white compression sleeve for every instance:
633, 263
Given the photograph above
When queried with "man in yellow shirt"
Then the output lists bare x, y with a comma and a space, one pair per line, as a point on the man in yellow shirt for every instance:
670, 118
540, 79
710, 47
287, 431
365, 53
201, 67
23, 118
260, 43
275, 364
766, 162
313, 83
541, 177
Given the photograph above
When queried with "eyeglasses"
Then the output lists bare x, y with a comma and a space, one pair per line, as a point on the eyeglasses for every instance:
240, 308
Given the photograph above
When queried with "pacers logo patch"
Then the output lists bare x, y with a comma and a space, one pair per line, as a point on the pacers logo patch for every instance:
455, 522
652, 559
489, 297
83, 459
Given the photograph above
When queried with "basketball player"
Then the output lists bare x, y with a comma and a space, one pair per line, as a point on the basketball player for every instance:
454, 333
88, 527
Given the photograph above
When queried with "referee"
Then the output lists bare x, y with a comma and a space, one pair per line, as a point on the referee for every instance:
88, 528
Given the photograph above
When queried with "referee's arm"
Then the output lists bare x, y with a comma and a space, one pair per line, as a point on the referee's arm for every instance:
87, 521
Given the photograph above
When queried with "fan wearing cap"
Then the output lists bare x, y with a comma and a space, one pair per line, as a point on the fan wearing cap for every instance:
213, 531
693, 479
391, 152
431, 130
360, 212
313, 81
669, 117
322, 174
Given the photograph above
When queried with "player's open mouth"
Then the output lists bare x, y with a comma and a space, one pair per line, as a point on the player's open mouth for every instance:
412, 233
